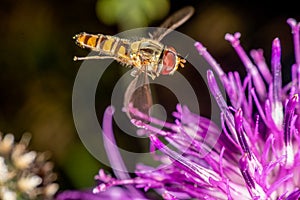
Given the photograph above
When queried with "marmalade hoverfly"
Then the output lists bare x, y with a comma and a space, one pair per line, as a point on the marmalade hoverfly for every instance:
147, 56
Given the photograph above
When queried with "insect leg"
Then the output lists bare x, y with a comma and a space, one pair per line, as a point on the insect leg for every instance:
92, 58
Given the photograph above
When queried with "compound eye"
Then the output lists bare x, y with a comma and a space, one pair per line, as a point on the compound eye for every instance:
169, 61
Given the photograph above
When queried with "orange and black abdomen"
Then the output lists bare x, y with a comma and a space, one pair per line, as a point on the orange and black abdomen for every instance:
90, 41
105, 44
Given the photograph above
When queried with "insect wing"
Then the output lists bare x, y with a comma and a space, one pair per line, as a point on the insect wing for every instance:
138, 95
173, 22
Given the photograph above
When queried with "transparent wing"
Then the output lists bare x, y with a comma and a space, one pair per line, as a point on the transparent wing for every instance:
173, 22
138, 94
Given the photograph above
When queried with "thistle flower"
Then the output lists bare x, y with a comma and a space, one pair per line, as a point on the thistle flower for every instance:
24, 174
257, 155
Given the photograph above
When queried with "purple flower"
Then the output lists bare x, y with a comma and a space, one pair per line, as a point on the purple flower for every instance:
257, 155
112, 193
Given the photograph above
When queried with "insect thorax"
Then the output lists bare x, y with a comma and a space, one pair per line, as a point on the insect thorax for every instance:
146, 53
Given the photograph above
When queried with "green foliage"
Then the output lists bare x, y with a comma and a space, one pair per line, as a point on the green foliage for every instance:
80, 166
131, 13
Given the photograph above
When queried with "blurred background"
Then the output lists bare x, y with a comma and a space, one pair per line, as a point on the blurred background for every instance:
38, 71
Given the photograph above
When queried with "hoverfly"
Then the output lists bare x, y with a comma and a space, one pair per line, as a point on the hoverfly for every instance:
147, 56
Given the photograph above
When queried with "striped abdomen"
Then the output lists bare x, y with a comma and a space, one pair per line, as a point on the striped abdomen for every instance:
106, 45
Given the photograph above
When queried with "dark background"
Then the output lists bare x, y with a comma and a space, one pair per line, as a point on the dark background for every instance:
38, 71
